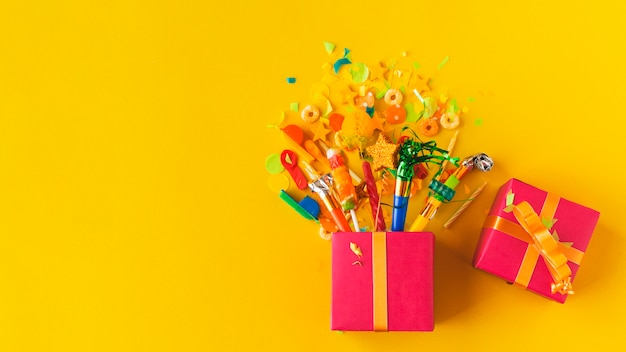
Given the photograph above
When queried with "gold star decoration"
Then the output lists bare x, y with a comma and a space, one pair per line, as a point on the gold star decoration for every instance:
319, 131
383, 153
421, 83
377, 122
377, 72
345, 95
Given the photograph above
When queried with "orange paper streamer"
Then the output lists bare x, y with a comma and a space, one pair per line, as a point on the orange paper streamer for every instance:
379, 271
531, 230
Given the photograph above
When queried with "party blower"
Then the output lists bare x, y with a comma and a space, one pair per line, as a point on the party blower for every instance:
445, 191
322, 186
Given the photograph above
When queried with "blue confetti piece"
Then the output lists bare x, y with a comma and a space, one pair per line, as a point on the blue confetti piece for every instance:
291, 80
343, 61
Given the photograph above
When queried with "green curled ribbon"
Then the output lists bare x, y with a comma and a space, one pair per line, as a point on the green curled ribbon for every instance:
413, 152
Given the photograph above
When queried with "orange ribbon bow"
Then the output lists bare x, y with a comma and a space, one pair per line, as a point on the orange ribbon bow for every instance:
531, 230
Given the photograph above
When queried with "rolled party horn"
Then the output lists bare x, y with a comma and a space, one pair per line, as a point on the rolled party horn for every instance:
343, 184
445, 191
322, 186
404, 176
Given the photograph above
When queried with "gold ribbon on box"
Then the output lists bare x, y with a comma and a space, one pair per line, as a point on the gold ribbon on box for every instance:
530, 229
379, 278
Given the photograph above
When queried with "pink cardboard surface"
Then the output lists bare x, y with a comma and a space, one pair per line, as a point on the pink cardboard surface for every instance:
501, 254
409, 282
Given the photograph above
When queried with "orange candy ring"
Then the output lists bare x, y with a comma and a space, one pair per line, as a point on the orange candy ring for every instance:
428, 127
449, 120
393, 97
310, 113
395, 114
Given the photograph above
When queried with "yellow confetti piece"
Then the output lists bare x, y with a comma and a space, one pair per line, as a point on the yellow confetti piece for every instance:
356, 249
277, 124
329, 108
443, 96
319, 93
278, 182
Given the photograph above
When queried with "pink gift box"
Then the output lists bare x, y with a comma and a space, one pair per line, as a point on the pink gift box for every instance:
502, 253
360, 283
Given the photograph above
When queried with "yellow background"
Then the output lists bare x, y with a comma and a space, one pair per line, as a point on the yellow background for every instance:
134, 208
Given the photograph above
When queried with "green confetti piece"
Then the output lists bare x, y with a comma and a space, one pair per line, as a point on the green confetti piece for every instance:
430, 107
291, 80
444, 62
478, 122
381, 93
510, 198
453, 106
294, 107
359, 72
403, 89
508, 209
471, 99
411, 115
548, 223
416, 65
273, 164
329, 47
350, 109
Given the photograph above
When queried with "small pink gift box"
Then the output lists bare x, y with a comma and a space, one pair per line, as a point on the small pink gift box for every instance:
528, 228
382, 281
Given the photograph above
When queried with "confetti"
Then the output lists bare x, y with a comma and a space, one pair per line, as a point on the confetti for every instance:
444, 62
275, 125
411, 114
345, 60
273, 164
354, 117
319, 92
319, 131
278, 182
329, 47
377, 72
453, 107
478, 122
510, 198
549, 223
356, 249
359, 72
